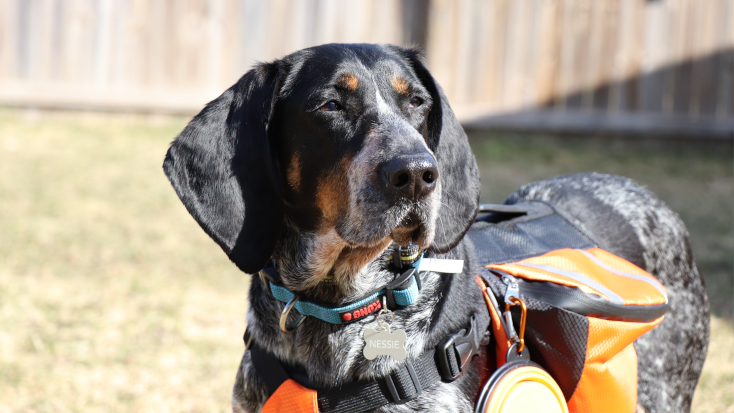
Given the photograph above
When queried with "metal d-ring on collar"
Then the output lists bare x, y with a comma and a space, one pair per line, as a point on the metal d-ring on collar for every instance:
284, 327
284, 316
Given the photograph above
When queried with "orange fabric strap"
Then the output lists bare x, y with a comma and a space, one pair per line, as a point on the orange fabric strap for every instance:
503, 343
292, 397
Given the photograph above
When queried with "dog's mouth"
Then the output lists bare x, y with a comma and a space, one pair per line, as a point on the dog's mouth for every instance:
411, 229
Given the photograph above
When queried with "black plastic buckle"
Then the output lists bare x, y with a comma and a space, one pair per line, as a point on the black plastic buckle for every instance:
464, 347
394, 391
400, 283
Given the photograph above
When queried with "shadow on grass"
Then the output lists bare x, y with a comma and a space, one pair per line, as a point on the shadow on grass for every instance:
694, 177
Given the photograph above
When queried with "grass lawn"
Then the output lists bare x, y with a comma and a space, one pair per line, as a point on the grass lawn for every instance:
113, 299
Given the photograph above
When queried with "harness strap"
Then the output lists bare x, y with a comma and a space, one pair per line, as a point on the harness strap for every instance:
266, 364
400, 386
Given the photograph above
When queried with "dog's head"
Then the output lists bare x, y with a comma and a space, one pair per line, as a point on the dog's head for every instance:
355, 145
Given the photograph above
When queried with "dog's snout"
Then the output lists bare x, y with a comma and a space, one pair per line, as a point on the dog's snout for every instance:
411, 176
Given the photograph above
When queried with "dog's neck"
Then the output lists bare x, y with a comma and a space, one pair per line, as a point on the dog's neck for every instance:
320, 265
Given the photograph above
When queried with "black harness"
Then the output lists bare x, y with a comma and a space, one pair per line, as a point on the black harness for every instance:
447, 362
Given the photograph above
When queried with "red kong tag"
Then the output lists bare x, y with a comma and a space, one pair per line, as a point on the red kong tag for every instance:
360, 312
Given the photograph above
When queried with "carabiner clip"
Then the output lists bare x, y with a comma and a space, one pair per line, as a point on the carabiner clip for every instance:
524, 315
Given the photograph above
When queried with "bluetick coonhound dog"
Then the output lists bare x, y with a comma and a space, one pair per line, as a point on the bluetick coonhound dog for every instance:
320, 161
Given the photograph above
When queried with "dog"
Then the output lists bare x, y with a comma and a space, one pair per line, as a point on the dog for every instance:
322, 160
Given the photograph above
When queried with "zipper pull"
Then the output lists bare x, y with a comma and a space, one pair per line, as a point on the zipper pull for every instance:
512, 297
513, 290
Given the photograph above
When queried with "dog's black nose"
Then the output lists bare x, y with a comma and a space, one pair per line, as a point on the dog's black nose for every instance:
411, 176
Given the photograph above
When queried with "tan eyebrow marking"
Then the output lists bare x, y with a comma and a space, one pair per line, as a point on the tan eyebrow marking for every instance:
400, 84
349, 81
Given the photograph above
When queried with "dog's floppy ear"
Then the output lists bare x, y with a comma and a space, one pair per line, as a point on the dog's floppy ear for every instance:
223, 169
457, 167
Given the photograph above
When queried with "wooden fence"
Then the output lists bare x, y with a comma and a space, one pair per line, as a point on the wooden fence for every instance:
163, 55
533, 61
502, 62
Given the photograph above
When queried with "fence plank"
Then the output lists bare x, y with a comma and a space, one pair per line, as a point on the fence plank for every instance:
440, 42
725, 99
547, 67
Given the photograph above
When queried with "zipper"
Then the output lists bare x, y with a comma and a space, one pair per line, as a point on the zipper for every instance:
575, 300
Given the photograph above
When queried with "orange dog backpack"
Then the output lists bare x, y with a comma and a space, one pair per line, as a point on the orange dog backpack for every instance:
564, 312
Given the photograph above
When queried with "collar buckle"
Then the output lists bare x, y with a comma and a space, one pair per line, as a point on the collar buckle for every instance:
401, 283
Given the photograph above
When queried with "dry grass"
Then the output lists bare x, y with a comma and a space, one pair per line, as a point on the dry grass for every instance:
111, 297
715, 392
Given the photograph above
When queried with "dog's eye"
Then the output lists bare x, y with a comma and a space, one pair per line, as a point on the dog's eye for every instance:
416, 101
330, 106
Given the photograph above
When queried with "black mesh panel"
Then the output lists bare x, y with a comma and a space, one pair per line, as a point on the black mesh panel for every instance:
540, 231
556, 339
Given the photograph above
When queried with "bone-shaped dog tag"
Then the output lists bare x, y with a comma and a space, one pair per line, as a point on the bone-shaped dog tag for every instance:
384, 343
